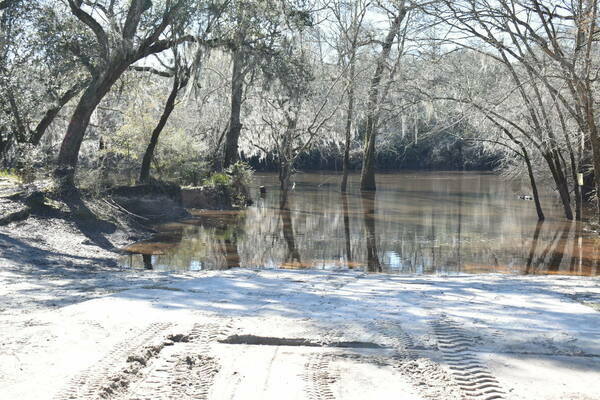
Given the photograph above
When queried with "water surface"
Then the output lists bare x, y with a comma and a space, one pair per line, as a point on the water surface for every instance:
416, 223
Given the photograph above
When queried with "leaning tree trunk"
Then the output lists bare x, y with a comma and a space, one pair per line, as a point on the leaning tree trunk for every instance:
561, 182
534, 189
91, 98
235, 125
525, 156
52, 112
169, 107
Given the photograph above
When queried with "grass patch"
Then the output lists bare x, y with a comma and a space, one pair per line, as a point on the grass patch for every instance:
9, 174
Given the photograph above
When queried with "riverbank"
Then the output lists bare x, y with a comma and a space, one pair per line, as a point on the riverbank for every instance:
62, 251
267, 334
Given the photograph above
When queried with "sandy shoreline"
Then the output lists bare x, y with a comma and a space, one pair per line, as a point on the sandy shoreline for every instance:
73, 325
311, 335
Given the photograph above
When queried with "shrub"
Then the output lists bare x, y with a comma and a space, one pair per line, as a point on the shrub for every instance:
240, 174
233, 183
218, 179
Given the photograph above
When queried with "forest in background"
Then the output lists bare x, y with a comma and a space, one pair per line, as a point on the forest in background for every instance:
99, 92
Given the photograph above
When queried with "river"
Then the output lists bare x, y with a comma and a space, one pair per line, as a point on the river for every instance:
416, 223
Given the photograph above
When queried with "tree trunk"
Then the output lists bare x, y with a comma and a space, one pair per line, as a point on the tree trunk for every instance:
284, 183
595, 141
349, 117
561, 183
235, 125
367, 176
91, 98
169, 107
367, 179
53, 111
288, 234
534, 189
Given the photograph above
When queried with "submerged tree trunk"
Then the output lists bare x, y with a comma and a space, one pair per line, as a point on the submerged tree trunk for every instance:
169, 107
534, 189
525, 155
561, 182
349, 117
293, 255
558, 254
595, 141
235, 125
367, 179
284, 183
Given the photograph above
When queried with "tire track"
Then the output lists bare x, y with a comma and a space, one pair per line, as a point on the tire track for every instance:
396, 337
319, 377
183, 371
472, 376
428, 377
90, 384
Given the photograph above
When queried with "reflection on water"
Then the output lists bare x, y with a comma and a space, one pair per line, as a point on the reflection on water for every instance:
368, 210
416, 223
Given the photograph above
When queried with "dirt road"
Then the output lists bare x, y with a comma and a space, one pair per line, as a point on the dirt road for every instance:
250, 334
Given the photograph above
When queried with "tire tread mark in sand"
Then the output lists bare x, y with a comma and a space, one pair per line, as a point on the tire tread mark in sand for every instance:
428, 377
319, 377
88, 384
184, 371
394, 335
471, 375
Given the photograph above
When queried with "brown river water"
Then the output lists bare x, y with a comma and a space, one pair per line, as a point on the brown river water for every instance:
416, 223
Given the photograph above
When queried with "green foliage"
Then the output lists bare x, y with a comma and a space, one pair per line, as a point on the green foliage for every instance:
217, 180
240, 175
233, 183
40, 59
176, 157
191, 172
9, 174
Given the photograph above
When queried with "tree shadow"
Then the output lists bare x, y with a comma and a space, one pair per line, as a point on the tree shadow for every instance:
527, 329
88, 223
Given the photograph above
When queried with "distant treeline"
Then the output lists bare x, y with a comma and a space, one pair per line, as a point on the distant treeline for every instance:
433, 153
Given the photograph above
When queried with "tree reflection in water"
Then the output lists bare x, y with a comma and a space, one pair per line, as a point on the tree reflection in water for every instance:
293, 255
346, 212
534, 244
368, 204
416, 224
147, 259
227, 230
